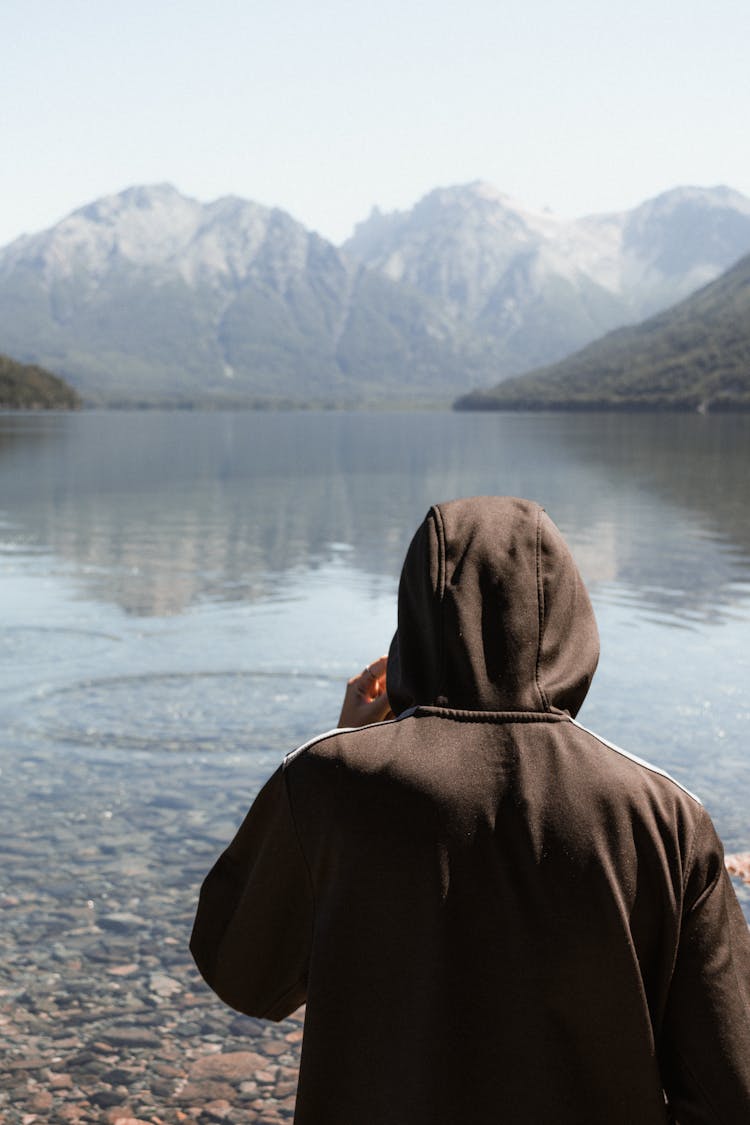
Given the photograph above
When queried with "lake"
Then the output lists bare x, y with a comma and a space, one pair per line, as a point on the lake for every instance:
183, 596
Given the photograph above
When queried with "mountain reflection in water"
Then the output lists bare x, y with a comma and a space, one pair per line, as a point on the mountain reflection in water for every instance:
159, 511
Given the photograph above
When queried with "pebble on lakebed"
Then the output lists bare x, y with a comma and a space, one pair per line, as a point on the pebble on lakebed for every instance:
103, 1016
739, 865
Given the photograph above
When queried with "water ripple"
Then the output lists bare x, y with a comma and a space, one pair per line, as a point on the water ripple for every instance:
245, 710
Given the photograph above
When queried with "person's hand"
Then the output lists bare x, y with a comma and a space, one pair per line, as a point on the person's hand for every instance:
365, 700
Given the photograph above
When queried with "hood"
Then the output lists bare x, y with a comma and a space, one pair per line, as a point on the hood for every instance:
492, 613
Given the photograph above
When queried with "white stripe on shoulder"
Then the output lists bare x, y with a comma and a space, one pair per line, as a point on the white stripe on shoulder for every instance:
311, 742
635, 758
342, 730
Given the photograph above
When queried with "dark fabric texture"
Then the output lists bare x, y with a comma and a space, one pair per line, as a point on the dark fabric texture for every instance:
494, 915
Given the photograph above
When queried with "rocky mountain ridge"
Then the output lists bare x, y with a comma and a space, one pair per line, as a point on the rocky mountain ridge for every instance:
151, 297
145, 227
538, 285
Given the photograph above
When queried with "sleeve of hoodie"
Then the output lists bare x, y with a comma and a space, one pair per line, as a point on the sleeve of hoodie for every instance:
251, 937
706, 1041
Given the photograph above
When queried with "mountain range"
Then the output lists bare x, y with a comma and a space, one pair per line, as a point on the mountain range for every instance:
694, 356
151, 297
535, 286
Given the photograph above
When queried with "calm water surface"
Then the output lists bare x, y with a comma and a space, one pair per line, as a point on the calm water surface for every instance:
182, 596
182, 582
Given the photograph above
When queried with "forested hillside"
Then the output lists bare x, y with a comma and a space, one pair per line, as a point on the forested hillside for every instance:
695, 356
28, 387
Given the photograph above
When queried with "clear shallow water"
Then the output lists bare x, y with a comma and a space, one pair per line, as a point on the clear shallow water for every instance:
183, 595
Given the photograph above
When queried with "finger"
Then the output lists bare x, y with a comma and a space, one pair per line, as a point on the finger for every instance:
369, 672
377, 667
375, 710
373, 688
370, 676
358, 712
372, 680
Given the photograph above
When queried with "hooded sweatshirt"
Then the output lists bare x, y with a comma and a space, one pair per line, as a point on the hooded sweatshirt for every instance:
494, 915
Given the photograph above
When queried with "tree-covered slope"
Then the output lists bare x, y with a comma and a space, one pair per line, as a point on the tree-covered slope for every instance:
27, 387
694, 356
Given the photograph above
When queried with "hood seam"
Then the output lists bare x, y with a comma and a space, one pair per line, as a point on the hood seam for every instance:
540, 608
500, 718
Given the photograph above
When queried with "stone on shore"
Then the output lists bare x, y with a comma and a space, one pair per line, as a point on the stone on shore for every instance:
235, 1066
739, 865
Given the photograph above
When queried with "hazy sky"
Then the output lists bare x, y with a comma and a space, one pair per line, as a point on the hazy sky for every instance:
326, 107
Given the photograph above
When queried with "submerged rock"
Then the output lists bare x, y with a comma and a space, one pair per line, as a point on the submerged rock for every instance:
739, 865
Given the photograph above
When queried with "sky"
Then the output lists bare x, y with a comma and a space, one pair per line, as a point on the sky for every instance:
326, 108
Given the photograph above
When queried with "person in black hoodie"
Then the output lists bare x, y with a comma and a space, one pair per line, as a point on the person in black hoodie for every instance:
493, 915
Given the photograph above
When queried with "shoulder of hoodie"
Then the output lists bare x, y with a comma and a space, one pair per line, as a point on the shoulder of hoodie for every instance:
336, 731
608, 746
641, 762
